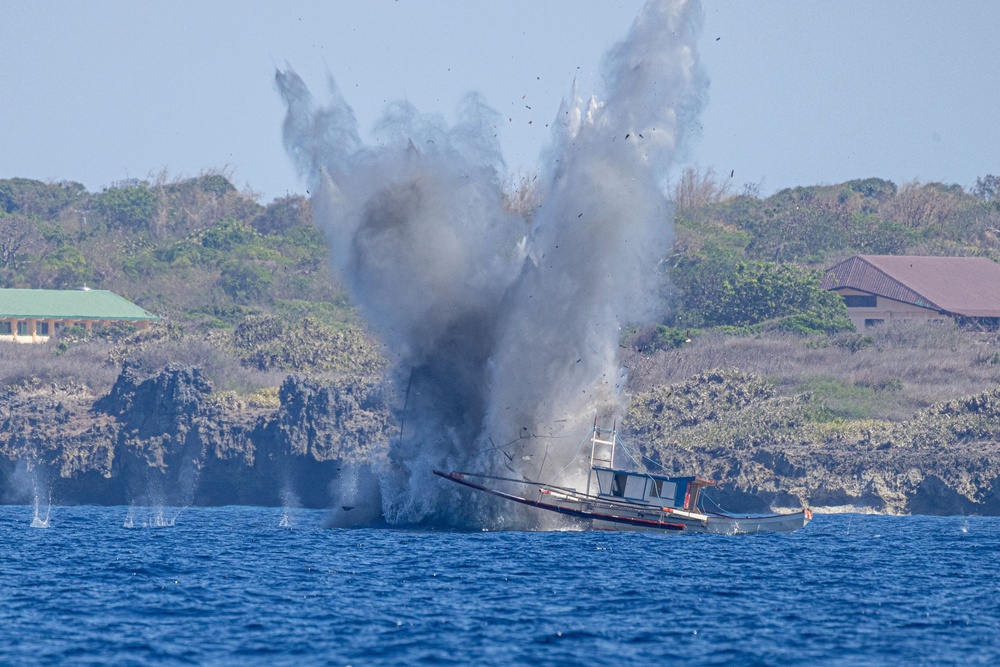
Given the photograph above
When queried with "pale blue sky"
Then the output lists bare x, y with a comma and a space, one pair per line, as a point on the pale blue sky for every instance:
801, 92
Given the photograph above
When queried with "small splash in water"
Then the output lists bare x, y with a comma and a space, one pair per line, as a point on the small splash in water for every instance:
38, 521
289, 501
156, 518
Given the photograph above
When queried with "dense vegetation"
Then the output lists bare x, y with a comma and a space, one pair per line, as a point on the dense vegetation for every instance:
248, 294
733, 254
244, 283
751, 358
196, 250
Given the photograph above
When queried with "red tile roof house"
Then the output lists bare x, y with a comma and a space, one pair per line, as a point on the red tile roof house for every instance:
879, 289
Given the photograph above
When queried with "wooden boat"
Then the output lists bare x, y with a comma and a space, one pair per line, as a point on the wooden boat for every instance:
630, 500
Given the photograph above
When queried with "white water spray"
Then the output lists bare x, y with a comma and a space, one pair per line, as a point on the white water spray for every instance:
151, 517
289, 503
38, 520
499, 332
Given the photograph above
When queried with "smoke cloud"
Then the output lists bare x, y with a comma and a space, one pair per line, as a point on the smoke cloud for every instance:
502, 335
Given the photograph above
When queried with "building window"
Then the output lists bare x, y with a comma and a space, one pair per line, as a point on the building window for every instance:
4, 328
860, 301
874, 322
42, 328
22, 329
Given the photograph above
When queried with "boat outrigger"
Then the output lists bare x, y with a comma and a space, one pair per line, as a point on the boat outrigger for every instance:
628, 500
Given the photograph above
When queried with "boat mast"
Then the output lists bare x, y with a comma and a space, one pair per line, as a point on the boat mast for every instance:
595, 440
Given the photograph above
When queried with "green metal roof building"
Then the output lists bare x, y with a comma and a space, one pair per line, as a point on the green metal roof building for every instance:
32, 315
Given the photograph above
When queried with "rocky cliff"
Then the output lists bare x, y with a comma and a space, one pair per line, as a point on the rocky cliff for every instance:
769, 450
167, 438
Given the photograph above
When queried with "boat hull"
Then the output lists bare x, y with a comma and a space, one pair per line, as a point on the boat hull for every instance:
602, 514
718, 524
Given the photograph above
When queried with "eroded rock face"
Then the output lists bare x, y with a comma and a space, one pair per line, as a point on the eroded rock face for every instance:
768, 452
344, 421
166, 439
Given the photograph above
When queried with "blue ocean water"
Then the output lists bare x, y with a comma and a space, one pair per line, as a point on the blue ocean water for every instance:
233, 586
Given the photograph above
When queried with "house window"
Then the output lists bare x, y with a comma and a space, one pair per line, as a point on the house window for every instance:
42, 328
4, 328
860, 301
874, 322
22, 329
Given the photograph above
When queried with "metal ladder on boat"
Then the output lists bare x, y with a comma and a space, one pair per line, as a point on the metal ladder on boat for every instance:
606, 453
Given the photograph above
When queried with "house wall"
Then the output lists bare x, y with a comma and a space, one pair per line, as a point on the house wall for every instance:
40, 330
25, 330
887, 311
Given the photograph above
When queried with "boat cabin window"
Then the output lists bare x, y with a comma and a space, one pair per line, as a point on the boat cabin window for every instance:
618, 484
635, 488
664, 492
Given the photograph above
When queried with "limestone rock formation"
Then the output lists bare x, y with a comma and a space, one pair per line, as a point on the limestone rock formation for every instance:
167, 439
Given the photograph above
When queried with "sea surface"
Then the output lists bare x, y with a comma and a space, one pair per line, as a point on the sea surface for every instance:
266, 586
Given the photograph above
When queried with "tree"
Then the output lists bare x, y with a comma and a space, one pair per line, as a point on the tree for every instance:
875, 188
18, 236
923, 206
44, 200
192, 204
871, 234
66, 268
987, 188
228, 234
284, 214
760, 291
129, 206
245, 283
698, 188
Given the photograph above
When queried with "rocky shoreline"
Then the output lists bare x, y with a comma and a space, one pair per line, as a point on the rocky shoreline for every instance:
167, 439
769, 451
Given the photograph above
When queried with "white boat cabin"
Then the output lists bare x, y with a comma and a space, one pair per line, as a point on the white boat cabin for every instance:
653, 490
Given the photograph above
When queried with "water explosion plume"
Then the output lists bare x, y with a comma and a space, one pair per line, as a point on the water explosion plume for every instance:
499, 331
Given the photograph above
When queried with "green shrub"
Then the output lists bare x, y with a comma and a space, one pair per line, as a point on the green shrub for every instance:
759, 291
266, 343
67, 268
854, 341
229, 234
835, 399
35, 198
245, 283
131, 206
815, 322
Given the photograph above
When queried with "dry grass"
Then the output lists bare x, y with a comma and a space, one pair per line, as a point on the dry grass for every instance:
907, 366
24, 365
222, 369
88, 364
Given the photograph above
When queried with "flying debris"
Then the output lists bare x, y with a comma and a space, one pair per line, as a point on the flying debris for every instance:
453, 283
